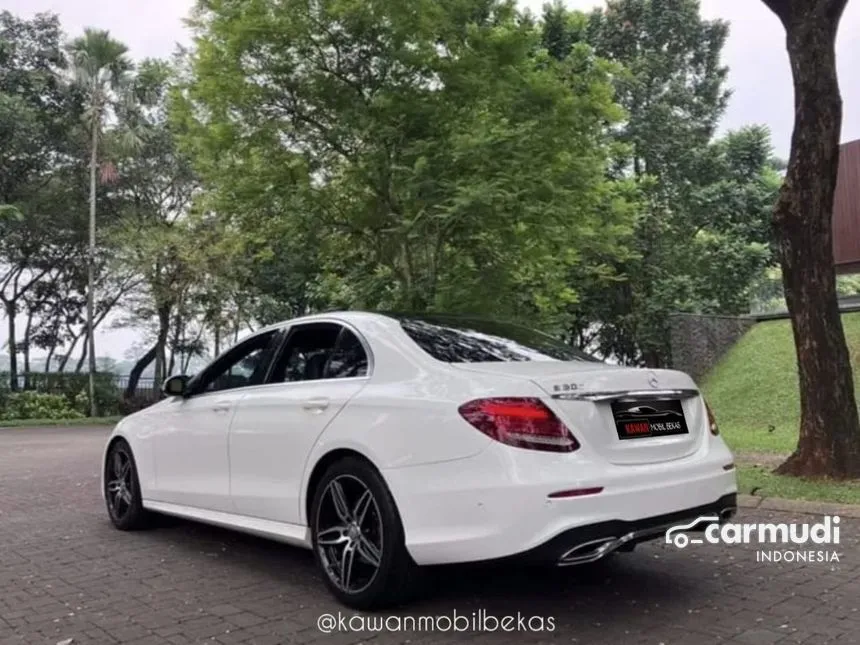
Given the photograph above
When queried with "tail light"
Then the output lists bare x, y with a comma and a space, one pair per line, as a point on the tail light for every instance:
520, 422
712, 421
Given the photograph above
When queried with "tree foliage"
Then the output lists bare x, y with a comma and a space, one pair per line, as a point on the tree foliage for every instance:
426, 154
38, 226
701, 233
450, 155
155, 187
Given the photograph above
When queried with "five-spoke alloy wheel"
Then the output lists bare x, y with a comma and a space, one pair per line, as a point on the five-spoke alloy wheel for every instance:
358, 537
349, 533
122, 488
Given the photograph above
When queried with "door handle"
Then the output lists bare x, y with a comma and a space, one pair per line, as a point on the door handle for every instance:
221, 407
316, 405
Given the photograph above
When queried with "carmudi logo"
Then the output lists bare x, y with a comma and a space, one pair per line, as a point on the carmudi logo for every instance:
708, 529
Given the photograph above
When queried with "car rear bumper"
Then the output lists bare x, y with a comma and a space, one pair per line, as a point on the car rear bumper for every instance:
590, 543
496, 504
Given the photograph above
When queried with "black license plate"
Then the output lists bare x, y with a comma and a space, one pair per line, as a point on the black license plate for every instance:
638, 419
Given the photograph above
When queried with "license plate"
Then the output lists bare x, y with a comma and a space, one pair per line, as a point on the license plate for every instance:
637, 419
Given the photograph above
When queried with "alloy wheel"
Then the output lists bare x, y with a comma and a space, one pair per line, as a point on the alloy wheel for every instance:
349, 534
119, 486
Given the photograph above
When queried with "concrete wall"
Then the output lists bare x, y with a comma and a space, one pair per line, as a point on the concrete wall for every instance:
700, 341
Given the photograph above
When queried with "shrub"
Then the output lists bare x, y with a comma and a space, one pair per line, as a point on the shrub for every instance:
37, 405
107, 400
70, 384
74, 387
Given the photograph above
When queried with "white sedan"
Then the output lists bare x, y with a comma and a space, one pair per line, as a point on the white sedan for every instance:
384, 443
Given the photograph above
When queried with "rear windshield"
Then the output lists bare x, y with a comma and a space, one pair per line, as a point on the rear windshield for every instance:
460, 340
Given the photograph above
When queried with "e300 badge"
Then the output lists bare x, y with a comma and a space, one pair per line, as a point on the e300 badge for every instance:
567, 387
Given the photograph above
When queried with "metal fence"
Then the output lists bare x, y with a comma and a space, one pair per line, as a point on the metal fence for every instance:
145, 385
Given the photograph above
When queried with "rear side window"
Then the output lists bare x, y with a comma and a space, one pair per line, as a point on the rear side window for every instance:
306, 353
316, 351
348, 359
454, 340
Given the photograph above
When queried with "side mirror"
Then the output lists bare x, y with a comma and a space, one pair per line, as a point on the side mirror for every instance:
175, 386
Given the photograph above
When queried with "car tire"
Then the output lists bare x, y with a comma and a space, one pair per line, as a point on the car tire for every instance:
122, 489
334, 532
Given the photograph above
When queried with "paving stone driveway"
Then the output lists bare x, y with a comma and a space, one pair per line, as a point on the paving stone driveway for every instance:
65, 573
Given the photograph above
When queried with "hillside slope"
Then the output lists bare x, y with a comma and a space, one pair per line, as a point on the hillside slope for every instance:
754, 391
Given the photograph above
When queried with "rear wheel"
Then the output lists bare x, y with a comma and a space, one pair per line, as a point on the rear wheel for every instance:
122, 489
358, 537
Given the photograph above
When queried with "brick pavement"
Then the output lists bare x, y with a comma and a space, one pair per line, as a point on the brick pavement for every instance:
66, 573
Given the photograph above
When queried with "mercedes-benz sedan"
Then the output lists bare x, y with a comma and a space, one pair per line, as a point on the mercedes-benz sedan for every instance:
385, 443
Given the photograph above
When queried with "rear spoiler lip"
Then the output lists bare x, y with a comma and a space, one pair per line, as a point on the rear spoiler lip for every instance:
628, 395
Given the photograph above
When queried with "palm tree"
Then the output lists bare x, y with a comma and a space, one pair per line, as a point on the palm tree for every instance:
101, 68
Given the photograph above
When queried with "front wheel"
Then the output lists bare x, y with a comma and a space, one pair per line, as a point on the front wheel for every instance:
358, 537
122, 489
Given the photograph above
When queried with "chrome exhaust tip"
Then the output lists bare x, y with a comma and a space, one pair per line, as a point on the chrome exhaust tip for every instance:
587, 551
593, 550
728, 513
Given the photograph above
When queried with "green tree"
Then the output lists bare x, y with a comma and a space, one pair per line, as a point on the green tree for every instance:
672, 84
702, 205
561, 29
672, 88
37, 197
160, 253
33, 102
427, 152
102, 69
155, 186
729, 221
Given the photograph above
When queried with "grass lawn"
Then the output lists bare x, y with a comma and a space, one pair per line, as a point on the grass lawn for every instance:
754, 394
762, 482
53, 423
754, 390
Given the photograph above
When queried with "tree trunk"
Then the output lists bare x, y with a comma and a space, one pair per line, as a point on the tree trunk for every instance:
829, 443
161, 344
91, 269
217, 339
13, 346
175, 341
138, 369
65, 359
27, 330
83, 357
50, 358
186, 361
652, 359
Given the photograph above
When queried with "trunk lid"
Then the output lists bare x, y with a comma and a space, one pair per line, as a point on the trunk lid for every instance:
582, 395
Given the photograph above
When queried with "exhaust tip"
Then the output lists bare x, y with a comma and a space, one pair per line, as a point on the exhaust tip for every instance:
589, 551
728, 513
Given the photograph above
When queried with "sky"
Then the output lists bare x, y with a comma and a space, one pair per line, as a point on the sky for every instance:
760, 76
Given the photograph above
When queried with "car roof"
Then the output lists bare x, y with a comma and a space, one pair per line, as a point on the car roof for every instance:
355, 317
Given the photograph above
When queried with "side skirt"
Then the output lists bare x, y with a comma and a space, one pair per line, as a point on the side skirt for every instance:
293, 534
